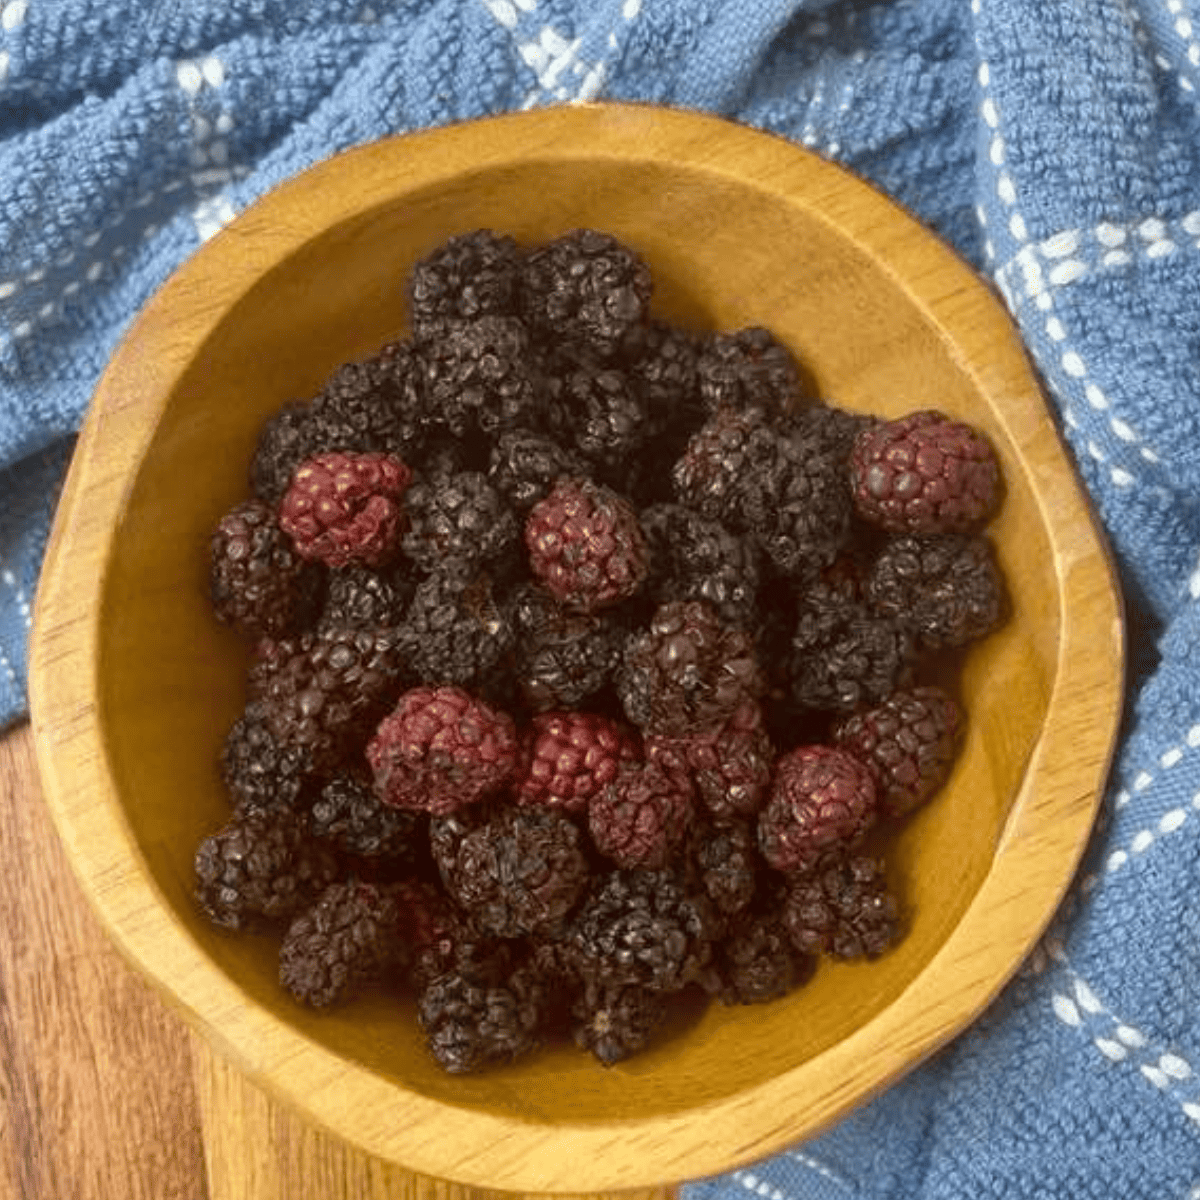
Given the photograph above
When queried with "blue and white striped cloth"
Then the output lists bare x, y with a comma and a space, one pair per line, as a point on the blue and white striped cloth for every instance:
1056, 143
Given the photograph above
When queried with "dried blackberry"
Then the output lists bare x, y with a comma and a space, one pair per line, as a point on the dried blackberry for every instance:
843, 909
594, 409
362, 598
729, 767
322, 693
616, 1022
567, 758
343, 508
722, 860
641, 927
694, 558
788, 495
260, 868
909, 741
586, 546
257, 581
831, 430
350, 816
525, 465
823, 800
662, 361
469, 276
469, 1025
924, 473
349, 939
285, 440
562, 657
516, 872
457, 630
479, 376
687, 673
258, 772
457, 522
440, 940
844, 655
947, 590
757, 961
585, 289
749, 368
441, 749
641, 816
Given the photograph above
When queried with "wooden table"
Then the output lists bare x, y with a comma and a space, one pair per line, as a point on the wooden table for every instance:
105, 1093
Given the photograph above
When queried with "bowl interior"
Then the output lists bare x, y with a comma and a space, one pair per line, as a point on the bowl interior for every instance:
724, 255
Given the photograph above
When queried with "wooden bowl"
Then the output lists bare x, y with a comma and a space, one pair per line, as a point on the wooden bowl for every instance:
134, 684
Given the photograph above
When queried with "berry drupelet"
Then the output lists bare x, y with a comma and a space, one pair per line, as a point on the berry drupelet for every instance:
924, 473
586, 546
441, 749
257, 581
822, 800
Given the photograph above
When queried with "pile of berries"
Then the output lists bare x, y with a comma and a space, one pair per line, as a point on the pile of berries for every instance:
589, 659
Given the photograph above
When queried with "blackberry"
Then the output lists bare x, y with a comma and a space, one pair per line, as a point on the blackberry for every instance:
469, 276
257, 771
457, 630
722, 859
442, 941
323, 692
585, 289
525, 465
694, 558
909, 741
730, 767
441, 749
641, 927
641, 816
616, 1022
362, 598
562, 657
687, 673
517, 872
342, 508
469, 1025
831, 430
257, 581
286, 439
843, 654
478, 375
844, 909
924, 473
593, 408
947, 590
757, 961
822, 800
350, 816
260, 868
349, 939
749, 368
567, 758
457, 522
586, 546
789, 496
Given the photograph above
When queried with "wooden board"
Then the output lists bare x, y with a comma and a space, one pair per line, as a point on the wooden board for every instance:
134, 684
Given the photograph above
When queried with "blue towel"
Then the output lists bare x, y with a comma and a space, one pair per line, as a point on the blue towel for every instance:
1053, 142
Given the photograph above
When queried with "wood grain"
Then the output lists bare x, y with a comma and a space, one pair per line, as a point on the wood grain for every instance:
134, 684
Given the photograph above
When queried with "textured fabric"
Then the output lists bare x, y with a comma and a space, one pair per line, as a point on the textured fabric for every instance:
1053, 142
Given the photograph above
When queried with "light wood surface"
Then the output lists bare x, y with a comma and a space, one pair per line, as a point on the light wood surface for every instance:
134, 685
103, 1092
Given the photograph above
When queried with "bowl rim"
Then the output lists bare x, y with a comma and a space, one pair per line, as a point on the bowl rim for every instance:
1043, 838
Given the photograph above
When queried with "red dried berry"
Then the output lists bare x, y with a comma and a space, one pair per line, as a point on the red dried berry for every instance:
569, 756
924, 473
441, 749
641, 816
730, 768
343, 508
909, 742
822, 798
586, 546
